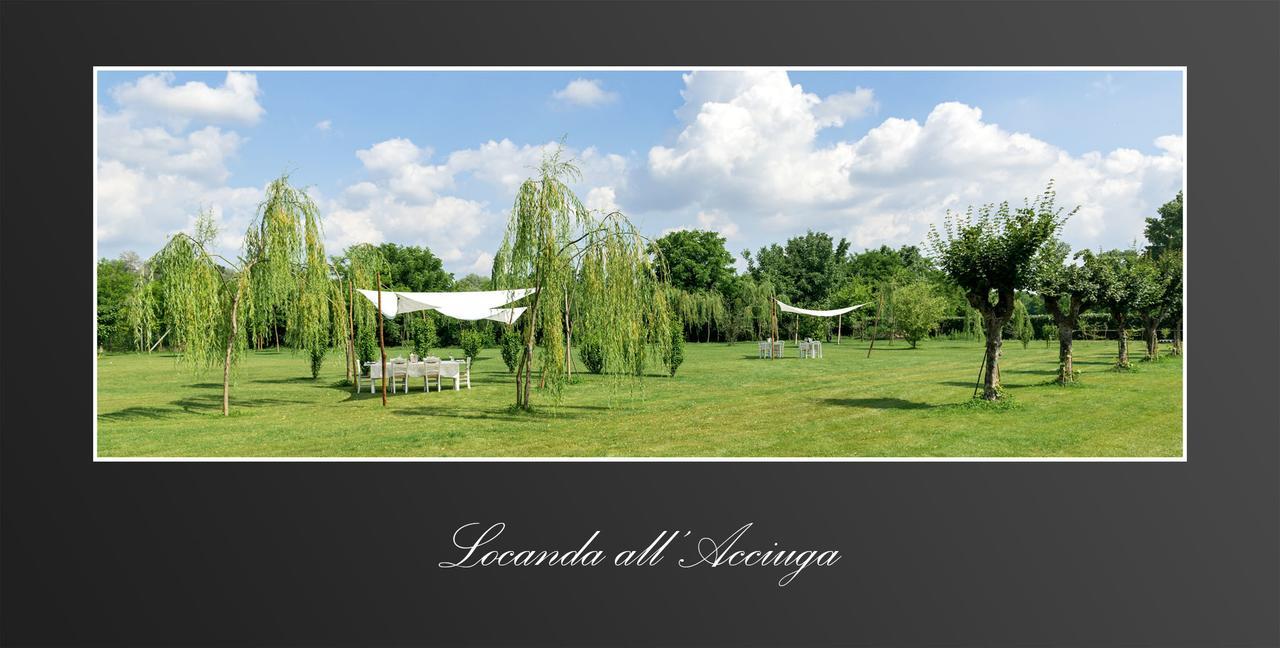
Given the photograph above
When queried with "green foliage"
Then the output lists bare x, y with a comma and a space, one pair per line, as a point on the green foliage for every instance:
423, 334
1022, 329
116, 281
317, 360
511, 346
694, 260
592, 356
471, 342
367, 344
802, 272
675, 353
620, 301
413, 268
993, 248
917, 311
991, 252
1164, 231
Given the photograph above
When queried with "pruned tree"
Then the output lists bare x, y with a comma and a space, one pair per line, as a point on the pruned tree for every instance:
1119, 287
1158, 295
620, 309
211, 302
1068, 289
988, 252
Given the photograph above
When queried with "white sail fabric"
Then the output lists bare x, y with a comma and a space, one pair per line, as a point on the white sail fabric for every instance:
475, 305
817, 313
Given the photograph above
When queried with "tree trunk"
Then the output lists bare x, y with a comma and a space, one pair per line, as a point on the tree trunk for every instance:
526, 360
382, 341
1153, 339
1122, 343
226, 363
991, 379
1177, 337
1067, 321
568, 337
351, 339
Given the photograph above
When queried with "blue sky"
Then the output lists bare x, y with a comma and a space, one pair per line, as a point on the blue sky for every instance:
432, 158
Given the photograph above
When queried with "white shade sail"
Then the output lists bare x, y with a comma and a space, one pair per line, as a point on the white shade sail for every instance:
474, 305
817, 313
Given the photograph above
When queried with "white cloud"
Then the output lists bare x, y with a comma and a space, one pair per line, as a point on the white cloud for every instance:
602, 199
324, 125
483, 265
838, 108
716, 221
236, 100
585, 92
748, 149
154, 175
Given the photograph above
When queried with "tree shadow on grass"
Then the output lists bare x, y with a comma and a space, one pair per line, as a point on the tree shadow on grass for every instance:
877, 403
138, 413
190, 405
290, 381
1006, 385
543, 414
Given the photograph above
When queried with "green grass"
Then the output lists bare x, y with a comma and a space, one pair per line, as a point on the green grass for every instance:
724, 402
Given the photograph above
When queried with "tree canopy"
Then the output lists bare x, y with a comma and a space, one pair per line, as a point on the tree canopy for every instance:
1164, 231
694, 260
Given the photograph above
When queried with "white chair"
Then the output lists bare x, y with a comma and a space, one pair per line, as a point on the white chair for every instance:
399, 371
465, 373
375, 374
430, 369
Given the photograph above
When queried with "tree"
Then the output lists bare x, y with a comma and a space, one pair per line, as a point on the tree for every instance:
413, 268
695, 260
989, 254
1067, 289
804, 271
1021, 322
210, 309
675, 353
1164, 231
619, 293
917, 311
116, 279
1117, 273
1158, 295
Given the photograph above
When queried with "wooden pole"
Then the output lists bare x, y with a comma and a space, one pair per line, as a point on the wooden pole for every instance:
875, 329
773, 320
382, 341
839, 319
351, 323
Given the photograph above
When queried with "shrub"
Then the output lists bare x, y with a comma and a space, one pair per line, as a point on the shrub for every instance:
1021, 323
511, 347
675, 356
917, 311
423, 330
471, 342
592, 356
317, 359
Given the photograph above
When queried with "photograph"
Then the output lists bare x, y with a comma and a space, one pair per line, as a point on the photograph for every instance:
640, 263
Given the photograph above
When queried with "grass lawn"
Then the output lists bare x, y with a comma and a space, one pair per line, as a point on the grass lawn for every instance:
724, 402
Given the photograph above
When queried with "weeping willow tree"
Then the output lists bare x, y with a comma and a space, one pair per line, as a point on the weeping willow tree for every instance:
553, 241
362, 265
213, 304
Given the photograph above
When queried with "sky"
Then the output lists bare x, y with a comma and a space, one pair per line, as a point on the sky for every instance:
759, 155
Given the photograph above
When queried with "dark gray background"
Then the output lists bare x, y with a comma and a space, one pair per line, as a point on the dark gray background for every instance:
935, 553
